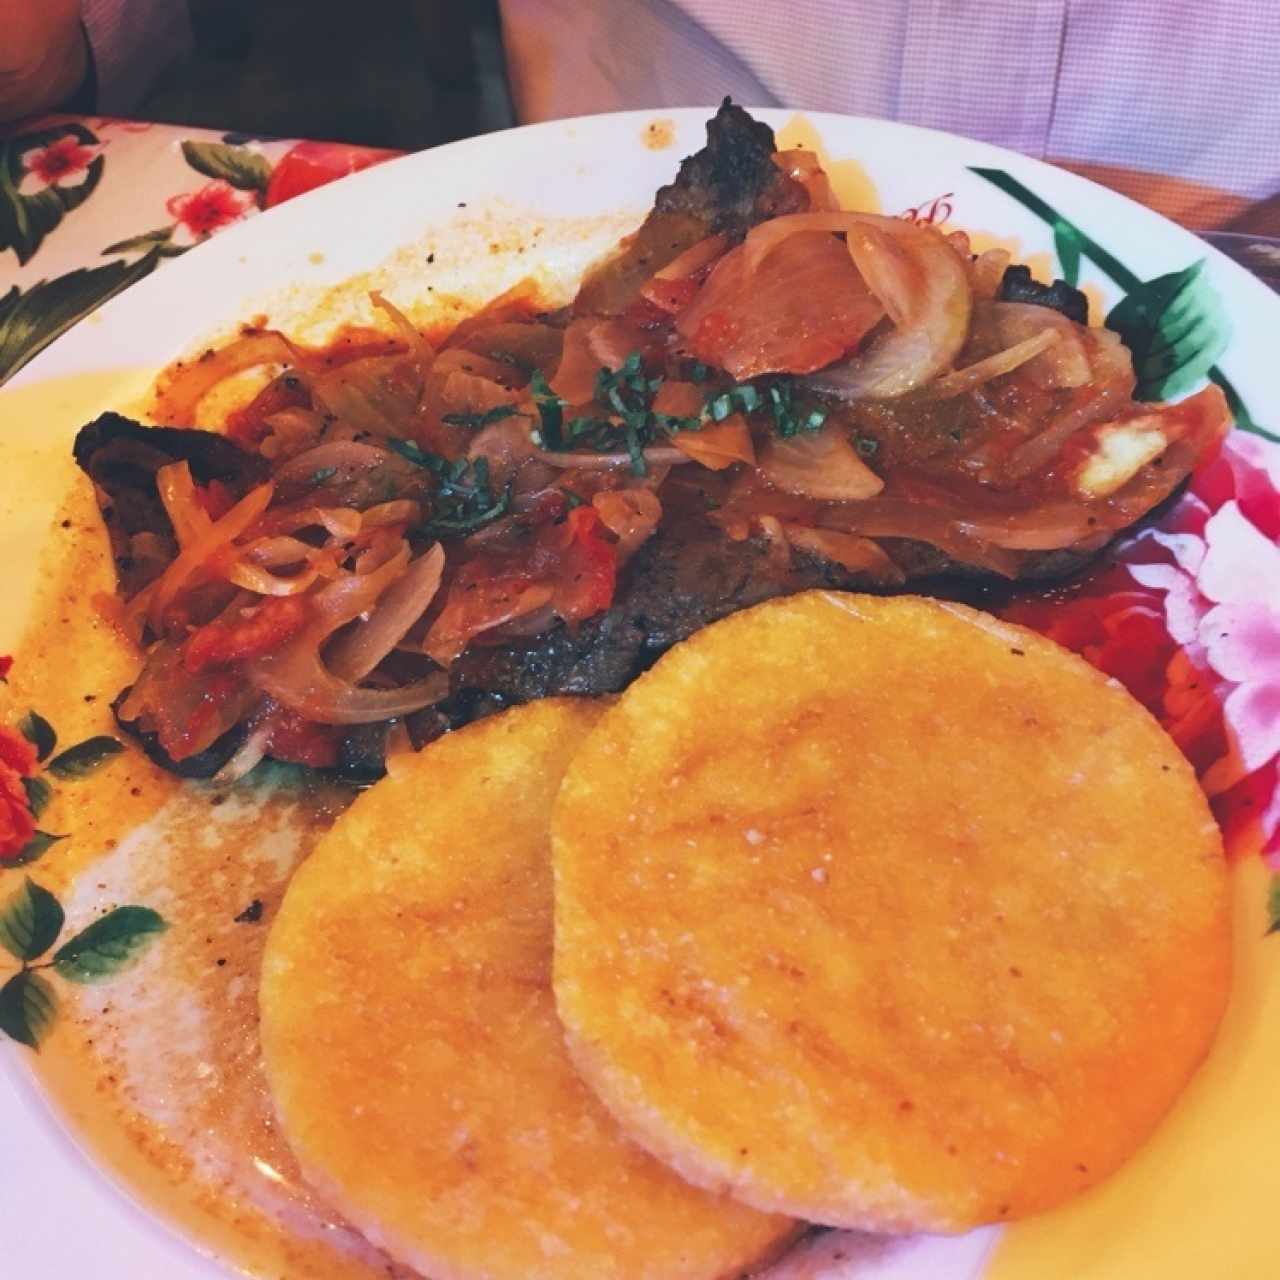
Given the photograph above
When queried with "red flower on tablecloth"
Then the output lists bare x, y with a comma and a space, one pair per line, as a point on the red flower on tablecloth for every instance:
63, 163
216, 205
1189, 621
307, 165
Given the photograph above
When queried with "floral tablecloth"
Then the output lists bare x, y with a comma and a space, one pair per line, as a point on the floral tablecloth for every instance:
88, 205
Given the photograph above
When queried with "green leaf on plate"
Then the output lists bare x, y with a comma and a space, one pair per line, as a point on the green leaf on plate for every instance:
1273, 906
1068, 243
35, 848
39, 732
25, 220
30, 321
147, 240
82, 759
39, 793
28, 1007
30, 921
109, 944
239, 166
1176, 327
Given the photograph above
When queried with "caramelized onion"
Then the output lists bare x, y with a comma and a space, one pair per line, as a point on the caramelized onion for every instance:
219, 535
924, 287
974, 375
180, 397
354, 654
343, 455
850, 551
822, 465
297, 678
655, 456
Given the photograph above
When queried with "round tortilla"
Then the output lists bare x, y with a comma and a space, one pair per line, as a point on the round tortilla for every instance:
885, 914
412, 1044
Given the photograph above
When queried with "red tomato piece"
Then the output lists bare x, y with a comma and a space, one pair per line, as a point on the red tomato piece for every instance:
218, 644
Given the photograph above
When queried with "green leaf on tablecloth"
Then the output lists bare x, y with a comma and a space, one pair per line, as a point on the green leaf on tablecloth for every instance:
239, 166
30, 321
160, 239
25, 220
1176, 327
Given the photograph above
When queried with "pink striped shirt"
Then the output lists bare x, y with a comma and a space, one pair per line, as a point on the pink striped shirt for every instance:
1190, 90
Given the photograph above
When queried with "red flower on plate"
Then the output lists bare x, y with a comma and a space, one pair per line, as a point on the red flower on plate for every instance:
216, 205
17, 824
63, 163
17, 753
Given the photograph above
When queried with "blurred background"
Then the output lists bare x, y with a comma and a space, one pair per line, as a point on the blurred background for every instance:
385, 73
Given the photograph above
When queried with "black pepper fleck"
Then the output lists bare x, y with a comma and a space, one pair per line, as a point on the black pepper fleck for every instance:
251, 914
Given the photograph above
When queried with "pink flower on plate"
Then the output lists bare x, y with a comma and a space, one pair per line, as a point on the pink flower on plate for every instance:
200, 213
63, 163
1220, 575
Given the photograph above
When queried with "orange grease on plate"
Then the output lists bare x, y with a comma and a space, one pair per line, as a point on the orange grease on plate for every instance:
658, 135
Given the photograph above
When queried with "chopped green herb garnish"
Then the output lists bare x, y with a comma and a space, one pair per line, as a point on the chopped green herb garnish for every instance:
464, 499
868, 446
322, 474
550, 412
475, 421
572, 498
699, 372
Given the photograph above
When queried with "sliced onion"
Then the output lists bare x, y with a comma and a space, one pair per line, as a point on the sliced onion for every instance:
720, 444
291, 431
344, 455
924, 287
180, 397
297, 678
376, 394
253, 577
397, 511
177, 491
986, 272
631, 515
694, 258
220, 534
356, 653
805, 168
251, 753
657, 456
994, 366
849, 550
271, 552
409, 331
1068, 364
822, 465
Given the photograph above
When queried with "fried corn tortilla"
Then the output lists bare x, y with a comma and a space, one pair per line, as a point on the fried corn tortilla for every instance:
412, 1044
885, 914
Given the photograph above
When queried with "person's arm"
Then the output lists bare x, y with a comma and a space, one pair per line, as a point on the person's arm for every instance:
43, 55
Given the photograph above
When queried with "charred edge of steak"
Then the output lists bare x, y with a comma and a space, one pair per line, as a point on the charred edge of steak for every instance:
732, 183
122, 457
203, 764
1018, 285
728, 186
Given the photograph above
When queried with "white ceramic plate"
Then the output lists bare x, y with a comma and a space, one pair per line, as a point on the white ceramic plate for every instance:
551, 197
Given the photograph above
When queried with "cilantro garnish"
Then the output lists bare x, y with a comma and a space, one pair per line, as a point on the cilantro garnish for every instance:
477, 420
464, 497
628, 392
321, 474
550, 413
